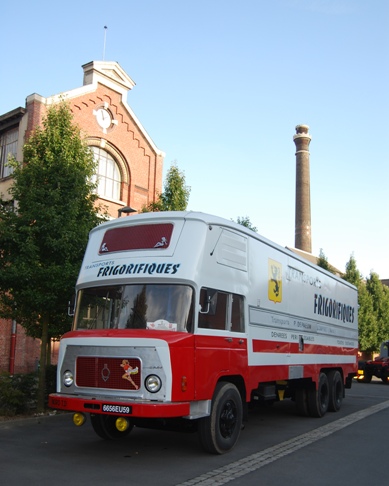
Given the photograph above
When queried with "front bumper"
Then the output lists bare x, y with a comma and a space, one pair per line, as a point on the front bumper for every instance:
126, 408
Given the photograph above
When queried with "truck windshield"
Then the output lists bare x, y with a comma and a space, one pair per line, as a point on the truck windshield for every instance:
163, 307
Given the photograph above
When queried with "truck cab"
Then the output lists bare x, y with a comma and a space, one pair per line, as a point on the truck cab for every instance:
378, 367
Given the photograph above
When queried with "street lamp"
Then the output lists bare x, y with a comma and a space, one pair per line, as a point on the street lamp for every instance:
126, 210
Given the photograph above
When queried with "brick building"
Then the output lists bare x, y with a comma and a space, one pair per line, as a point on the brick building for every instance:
129, 165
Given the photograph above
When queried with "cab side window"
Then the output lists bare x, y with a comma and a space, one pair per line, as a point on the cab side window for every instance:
221, 310
237, 313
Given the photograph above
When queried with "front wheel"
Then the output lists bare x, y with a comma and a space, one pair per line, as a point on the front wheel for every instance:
220, 431
105, 427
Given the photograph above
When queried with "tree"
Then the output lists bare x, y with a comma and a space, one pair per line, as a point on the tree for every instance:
175, 196
352, 274
43, 241
367, 324
322, 261
368, 327
380, 300
245, 221
373, 313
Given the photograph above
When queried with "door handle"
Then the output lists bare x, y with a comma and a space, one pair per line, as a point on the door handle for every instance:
229, 340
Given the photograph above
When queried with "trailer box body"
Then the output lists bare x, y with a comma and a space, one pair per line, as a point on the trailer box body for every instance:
178, 312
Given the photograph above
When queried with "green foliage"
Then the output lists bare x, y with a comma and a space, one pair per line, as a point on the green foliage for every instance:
322, 261
380, 302
368, 326
373, 313
175, 196
17, 393
245, 221
352, 274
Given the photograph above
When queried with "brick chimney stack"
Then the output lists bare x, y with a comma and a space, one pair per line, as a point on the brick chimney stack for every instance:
303, 240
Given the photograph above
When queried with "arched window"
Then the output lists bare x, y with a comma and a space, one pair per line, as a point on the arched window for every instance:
108, 175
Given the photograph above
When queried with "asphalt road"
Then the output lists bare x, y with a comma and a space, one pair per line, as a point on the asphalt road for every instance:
277, 447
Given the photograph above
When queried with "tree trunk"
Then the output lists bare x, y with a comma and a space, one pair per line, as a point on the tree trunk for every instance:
42, 368
48, 356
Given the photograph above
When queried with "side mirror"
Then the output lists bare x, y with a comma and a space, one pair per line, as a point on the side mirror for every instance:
211, 302
71, 306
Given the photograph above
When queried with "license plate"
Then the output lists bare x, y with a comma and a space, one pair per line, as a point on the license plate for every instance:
122, 409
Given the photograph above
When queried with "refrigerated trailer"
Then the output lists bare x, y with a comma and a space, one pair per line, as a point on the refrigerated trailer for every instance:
185, 319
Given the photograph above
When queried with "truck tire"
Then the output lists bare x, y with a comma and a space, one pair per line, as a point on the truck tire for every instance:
104, 426
220, 431
336, 390
366, 377
301, 398
318, 397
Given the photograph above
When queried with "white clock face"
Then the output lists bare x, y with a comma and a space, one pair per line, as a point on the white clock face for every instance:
103, 118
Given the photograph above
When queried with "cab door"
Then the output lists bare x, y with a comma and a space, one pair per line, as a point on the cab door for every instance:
220, 340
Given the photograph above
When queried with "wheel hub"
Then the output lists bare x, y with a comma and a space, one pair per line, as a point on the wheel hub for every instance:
228, 419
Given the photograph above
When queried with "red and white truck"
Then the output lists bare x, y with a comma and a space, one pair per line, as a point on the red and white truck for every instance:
184, 318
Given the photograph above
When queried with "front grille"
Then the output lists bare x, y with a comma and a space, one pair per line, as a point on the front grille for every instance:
112, 373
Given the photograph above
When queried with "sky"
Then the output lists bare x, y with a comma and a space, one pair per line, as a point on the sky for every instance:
220, 87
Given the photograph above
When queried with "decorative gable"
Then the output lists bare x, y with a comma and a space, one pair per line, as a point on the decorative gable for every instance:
107, 73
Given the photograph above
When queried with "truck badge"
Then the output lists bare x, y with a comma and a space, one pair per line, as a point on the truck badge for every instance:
274, 281
105, 372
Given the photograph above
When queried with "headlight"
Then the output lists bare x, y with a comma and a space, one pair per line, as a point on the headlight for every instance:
153, 383
68, 378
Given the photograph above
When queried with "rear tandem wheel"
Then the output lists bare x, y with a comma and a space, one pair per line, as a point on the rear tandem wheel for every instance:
318, 397
336, 390
328, 395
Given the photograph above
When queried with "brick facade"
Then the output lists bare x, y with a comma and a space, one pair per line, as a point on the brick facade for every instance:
139, 161
27, 350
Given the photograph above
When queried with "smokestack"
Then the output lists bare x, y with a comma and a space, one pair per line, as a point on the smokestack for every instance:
302, 238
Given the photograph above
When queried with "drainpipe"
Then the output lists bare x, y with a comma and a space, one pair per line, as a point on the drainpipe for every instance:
13, 348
